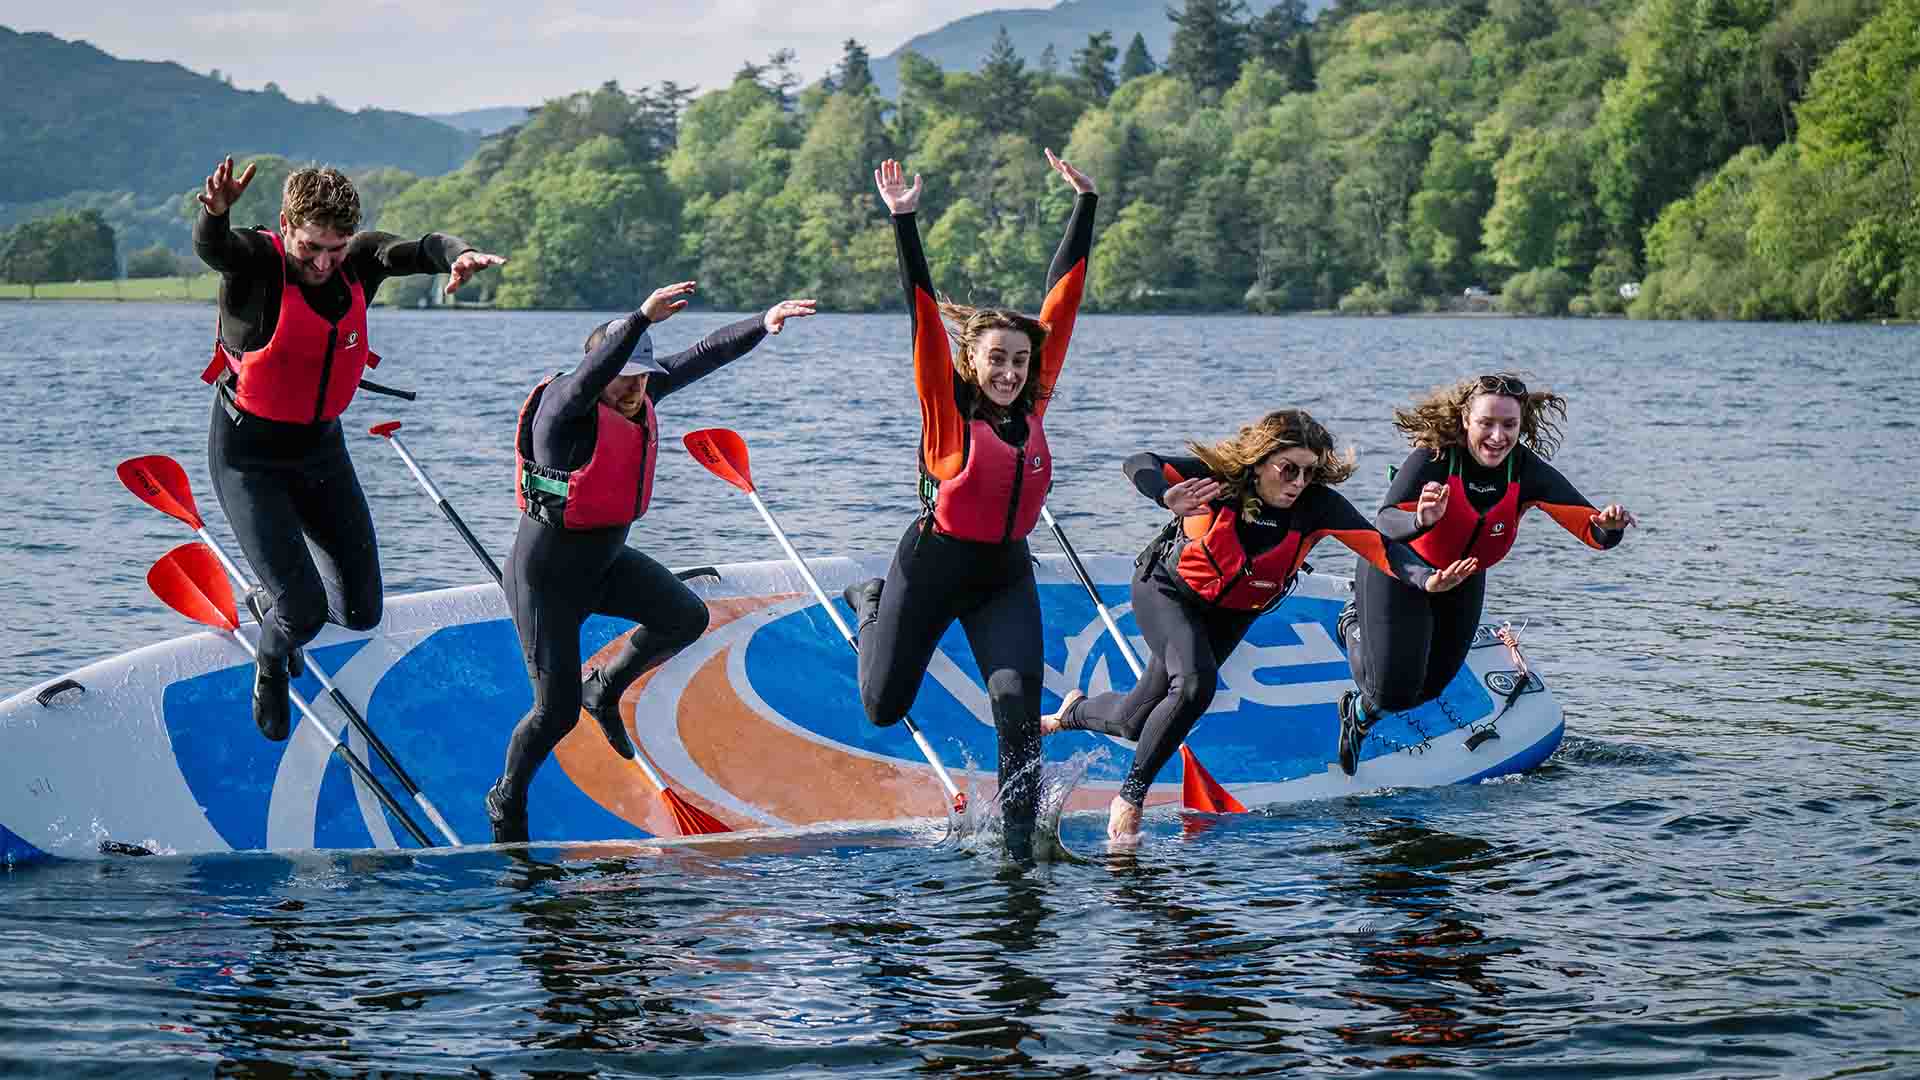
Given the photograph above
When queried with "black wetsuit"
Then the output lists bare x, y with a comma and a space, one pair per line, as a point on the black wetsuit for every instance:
1190, 639
1406, 643
989, 587
289, 490
555, 577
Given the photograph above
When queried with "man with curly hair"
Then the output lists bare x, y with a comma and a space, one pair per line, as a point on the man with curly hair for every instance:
289, 349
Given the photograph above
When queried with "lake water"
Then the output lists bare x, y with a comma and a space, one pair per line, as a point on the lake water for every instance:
1718, 875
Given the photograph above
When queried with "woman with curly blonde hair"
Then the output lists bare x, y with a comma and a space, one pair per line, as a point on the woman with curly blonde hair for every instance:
1247, 510
985, 467
1479, 462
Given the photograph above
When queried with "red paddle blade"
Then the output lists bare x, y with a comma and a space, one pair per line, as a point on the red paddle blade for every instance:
190, 580
724, 453
1199, 791
161, 483
690, 819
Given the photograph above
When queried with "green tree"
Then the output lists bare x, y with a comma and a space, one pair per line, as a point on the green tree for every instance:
152, 262
1209, 43
854, 74
1005, 88
1138, 62
1093, 66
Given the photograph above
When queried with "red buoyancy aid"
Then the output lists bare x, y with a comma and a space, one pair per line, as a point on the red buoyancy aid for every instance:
612, 488
1210, 561
310, 368
997, 496
1465, 532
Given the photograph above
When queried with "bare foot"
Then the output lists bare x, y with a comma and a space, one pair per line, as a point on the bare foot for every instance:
1123, 823
1050, 723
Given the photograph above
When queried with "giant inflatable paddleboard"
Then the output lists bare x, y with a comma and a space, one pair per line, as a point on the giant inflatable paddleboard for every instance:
759, 723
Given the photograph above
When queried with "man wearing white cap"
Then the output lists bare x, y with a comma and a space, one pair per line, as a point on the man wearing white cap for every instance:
584, 454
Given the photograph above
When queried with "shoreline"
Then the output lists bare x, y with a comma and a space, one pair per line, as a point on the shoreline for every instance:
204, 290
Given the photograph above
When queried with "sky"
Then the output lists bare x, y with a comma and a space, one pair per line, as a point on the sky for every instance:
432, 56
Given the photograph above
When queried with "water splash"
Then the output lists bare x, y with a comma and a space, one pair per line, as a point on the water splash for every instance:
982, 827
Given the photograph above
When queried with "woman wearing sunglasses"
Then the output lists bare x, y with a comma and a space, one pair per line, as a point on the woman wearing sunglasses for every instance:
1479, 462
1247, 511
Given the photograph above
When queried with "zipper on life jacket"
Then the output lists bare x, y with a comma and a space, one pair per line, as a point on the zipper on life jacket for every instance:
1013, 503
647, 448
326, 373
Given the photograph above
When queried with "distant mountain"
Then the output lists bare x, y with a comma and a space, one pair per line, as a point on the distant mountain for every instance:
79, 119
483, 121
962, 44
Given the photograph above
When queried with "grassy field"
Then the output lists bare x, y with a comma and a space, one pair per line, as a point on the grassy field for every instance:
203, 287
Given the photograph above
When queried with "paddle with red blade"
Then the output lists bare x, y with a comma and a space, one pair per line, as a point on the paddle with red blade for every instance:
1198, 789
189, 579
161, 483
724, 454
688, 818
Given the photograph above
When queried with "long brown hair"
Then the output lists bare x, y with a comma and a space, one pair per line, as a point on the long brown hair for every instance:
1439, 420
965, 324
1234, 458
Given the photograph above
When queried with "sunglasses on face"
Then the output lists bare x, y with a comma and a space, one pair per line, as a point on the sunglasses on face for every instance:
1502, 384
1288, 471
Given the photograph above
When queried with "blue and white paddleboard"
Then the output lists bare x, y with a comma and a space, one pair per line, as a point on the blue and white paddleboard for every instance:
759, 723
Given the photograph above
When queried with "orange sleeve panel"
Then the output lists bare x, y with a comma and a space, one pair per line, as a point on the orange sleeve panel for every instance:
1365, 543
1172, 474
1066, 282
1576, 519
943, 431
1060, 311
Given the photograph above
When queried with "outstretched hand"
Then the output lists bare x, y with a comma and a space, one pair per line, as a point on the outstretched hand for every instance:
1190, 497
1614, 517
468, 264
776, 317
660, 304
222, 189
1450, 577
891, 181
1433, 504
1082, 183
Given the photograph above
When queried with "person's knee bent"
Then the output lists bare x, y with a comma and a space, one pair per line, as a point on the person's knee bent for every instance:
300, 614
1193, 692
687, 629
1012, 694
364, 615
1398, 698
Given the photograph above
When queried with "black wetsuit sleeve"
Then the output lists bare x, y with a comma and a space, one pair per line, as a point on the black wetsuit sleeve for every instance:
1153, 474
1398, 520
710, 354
1076, 244
1328, 513
574, 395
1541, 485
244, 254
377, 256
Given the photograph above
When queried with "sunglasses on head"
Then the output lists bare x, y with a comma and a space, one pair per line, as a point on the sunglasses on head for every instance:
1502, 384
1290, 470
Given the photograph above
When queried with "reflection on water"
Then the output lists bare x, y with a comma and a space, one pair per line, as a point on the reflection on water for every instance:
1713, 877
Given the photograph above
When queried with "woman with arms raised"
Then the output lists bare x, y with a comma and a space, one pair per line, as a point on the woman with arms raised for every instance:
1247, 511
1479, 462
984, 471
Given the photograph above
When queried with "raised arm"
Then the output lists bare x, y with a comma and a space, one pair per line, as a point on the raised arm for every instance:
1066, 277
942, 427
575, 394
708, 355
1542, 485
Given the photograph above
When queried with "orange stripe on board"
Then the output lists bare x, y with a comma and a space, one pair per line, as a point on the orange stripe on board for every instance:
618, 784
